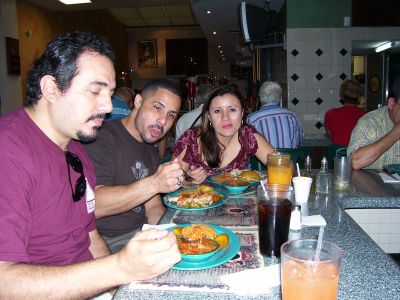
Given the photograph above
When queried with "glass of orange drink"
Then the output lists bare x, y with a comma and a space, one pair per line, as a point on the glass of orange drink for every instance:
279, 168
303, 277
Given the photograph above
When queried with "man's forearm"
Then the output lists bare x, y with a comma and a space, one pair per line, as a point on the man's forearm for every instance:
98, 246
112, 200
57, 282
368, 154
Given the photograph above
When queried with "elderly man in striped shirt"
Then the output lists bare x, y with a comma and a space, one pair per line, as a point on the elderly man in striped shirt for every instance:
277, 124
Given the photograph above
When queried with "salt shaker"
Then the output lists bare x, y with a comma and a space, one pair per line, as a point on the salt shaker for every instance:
295, 219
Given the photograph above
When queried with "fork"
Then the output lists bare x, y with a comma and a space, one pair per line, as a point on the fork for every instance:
188, 178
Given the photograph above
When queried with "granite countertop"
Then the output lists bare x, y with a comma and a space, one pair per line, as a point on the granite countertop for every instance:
366, 272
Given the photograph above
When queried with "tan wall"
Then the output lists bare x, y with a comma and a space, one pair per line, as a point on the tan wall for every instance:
44, 25
140, 76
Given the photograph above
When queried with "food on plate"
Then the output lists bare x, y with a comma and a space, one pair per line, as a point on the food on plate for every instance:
236, 177
223, 177
199, 239
223, 240
249, 175
236, 182
198, 231
202, 196
200, 247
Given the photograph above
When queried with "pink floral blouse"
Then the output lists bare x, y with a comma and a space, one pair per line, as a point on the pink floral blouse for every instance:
192, 156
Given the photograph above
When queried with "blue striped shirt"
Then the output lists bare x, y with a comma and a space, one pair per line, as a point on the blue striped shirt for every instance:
120, 109
278, 125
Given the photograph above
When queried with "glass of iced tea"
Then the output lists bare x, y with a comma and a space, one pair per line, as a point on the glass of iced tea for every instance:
303, 277
279, 168
274, 210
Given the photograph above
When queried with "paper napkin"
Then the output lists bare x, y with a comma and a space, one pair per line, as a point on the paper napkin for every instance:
389, 179
161, 226
315, 220
253, 281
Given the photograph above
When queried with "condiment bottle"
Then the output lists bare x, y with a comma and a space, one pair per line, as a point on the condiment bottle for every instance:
323, 178
308, 171
307, 166
295, 219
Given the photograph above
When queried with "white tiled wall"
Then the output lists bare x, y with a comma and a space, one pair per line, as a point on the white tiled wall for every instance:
382, 225
325, 51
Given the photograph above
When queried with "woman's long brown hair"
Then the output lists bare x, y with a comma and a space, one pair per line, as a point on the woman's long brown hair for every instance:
209, 144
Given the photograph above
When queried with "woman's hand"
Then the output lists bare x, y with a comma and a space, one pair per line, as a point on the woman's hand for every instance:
198, 175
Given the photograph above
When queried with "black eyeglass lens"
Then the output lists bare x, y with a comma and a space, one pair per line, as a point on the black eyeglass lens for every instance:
76, 165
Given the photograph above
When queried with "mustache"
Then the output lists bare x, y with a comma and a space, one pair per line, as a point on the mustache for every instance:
96, 116
157, 127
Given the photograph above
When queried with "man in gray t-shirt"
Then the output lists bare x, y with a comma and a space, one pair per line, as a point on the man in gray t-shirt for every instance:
129, 177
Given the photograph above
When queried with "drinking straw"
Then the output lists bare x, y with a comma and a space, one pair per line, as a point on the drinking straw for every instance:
298, 169
319, 243
263, 186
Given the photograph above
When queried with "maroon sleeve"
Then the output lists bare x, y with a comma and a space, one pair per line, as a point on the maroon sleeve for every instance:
185, 141
248, 139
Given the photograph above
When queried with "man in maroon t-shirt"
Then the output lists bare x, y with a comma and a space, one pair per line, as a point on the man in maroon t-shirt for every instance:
49, 245
339, 122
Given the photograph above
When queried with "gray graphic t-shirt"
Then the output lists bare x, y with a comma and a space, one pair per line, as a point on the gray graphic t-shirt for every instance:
119, 159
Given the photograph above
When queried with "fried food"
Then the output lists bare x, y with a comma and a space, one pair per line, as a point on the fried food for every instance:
250, 175
203, 246
223, 177
235, 183
201, 197
205, 189
198, 231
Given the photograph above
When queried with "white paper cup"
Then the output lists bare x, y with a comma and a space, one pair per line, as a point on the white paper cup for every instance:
302, 186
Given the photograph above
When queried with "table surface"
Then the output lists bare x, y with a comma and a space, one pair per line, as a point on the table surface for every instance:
366, 272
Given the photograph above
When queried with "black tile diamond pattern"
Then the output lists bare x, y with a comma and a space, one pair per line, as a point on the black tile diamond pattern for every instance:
343, 52
319, 125
341, 101
295, 101
294, 77
319, 101
319, 52
294, 52
343, 76
319, 76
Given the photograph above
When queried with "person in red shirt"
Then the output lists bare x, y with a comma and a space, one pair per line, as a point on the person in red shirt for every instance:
339, 122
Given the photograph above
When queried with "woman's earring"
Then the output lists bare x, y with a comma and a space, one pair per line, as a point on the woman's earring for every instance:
210, 124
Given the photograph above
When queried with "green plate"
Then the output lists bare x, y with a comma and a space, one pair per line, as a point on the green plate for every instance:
217, 190
392, 169
219, 258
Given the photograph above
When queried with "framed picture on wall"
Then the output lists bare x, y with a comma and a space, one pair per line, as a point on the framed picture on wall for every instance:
147, 54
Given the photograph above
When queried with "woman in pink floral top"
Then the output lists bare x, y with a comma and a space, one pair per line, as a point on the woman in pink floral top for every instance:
222, 143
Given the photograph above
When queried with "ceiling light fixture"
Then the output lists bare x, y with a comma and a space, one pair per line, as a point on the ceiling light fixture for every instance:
208, 12
385, 46
214, 32
68, 2
219, 46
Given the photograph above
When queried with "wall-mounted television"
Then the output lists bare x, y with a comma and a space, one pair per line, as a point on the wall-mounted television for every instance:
257, 24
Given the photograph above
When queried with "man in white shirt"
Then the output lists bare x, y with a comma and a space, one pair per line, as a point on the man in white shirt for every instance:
193, 118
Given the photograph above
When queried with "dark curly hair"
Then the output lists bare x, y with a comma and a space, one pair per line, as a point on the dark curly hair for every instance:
209, 144
60, 61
